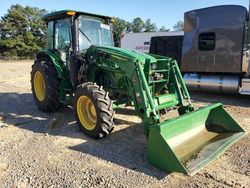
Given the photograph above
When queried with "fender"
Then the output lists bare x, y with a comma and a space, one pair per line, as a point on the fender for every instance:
56, 60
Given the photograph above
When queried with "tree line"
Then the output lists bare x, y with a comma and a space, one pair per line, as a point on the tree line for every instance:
22, 31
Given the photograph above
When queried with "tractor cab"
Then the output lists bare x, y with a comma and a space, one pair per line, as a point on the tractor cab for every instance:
74, 31
71, 33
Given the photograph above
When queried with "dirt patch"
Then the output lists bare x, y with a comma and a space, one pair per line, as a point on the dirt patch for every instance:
47, 150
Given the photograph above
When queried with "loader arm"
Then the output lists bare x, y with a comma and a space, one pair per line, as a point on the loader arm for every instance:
150, 94
154, 83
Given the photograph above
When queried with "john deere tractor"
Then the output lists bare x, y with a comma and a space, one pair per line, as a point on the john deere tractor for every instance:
80, 67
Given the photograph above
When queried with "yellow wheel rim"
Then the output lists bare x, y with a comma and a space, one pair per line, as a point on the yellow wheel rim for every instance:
86, 112
39, 86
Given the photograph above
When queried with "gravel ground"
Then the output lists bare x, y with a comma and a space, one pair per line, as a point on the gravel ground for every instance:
47, 150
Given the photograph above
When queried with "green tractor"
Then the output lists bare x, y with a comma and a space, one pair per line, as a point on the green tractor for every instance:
80, 67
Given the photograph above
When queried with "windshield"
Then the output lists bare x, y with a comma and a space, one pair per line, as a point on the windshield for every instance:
93, 31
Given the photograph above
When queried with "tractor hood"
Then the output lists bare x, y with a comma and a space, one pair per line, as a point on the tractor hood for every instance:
122, 53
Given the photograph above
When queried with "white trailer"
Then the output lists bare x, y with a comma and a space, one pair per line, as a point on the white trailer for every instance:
141, 41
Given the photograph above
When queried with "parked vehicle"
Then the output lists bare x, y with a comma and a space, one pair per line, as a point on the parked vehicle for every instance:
141, 41
170, 46
214, 57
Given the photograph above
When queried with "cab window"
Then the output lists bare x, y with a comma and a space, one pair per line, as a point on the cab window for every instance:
49, 43
63, 37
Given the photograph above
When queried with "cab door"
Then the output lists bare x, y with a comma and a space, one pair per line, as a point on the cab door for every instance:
63, 39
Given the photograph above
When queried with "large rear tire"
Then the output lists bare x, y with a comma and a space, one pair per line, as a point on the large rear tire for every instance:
45, 85
93, 110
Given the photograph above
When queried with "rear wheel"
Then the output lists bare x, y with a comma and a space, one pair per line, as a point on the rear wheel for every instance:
45, 85
93, 110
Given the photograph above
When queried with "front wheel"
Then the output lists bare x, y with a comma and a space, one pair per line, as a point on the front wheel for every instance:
93, 110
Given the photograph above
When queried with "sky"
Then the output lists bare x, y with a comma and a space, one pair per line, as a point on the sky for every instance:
162, 12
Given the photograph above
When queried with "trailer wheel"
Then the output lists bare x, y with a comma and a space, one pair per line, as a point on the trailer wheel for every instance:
93, 110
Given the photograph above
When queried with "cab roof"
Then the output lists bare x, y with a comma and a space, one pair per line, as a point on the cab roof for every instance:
69, 13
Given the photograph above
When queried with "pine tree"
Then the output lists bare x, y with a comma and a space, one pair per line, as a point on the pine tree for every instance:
22, 31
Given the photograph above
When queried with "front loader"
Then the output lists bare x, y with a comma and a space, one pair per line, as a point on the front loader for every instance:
80, 67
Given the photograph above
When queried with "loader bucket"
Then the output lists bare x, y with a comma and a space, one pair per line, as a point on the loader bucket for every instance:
189, 142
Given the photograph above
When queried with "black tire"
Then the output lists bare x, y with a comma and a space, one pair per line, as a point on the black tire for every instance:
103, 108
50, 102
